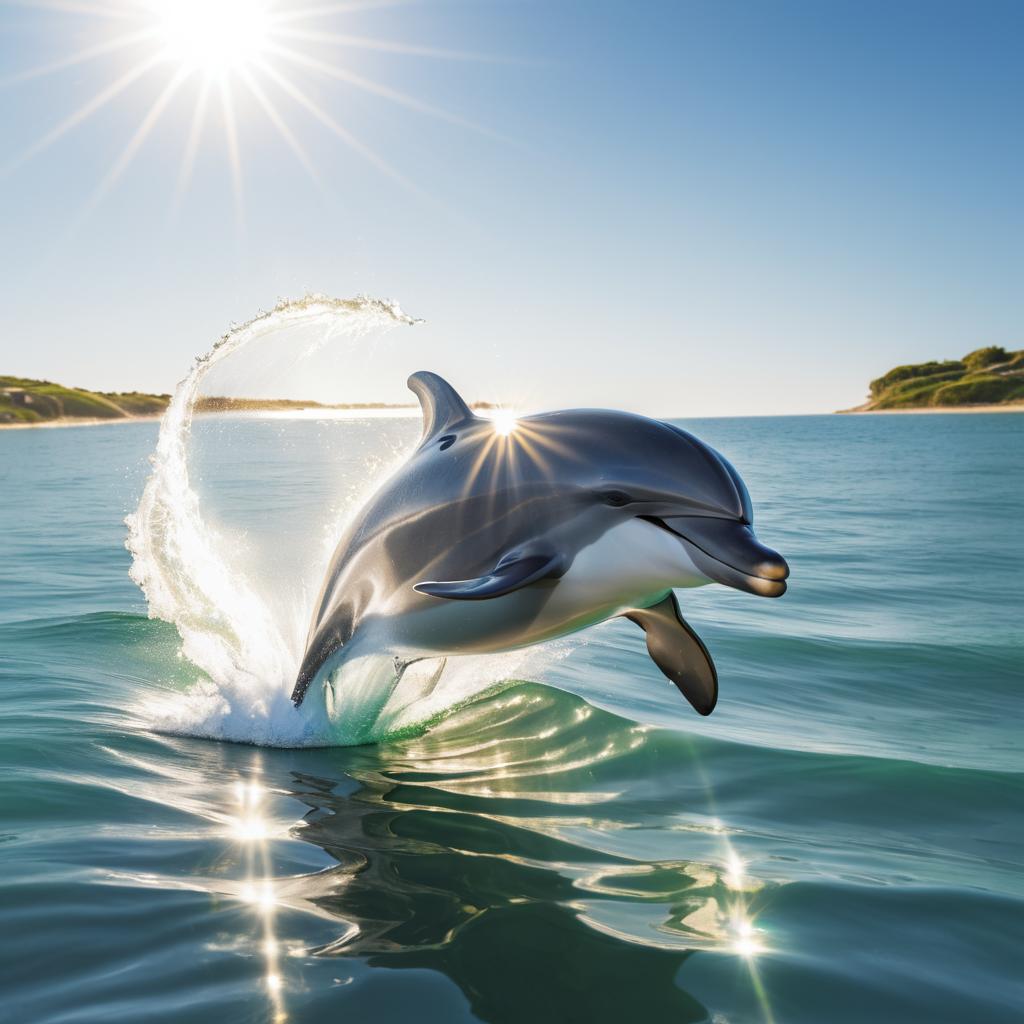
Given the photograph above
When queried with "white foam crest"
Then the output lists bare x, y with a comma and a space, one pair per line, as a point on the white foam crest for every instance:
186, 569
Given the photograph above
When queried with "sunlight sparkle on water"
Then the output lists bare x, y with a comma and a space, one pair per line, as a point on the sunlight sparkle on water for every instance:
261, 896
249, 828
746, 942
734, 871
250, 824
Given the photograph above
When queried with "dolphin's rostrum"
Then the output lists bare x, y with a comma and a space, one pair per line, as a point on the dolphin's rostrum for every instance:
490, 539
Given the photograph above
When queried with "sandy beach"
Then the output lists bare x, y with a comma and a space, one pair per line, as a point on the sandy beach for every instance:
72, 421
1004, 407
308, 412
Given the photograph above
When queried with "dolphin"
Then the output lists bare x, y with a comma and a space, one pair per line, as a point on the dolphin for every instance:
497, 535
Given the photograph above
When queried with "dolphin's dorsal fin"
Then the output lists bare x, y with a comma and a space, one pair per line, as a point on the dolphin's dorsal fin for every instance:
443, 407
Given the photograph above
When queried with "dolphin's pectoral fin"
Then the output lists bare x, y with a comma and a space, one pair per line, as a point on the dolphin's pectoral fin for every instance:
679, 652
511, 573
443, 407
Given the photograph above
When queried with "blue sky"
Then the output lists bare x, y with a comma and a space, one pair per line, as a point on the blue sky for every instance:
678, 208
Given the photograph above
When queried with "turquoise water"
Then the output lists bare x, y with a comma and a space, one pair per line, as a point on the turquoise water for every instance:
841, 841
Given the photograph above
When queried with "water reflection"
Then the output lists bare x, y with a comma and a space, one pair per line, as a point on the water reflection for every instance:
252, 829
525, 838
531, 849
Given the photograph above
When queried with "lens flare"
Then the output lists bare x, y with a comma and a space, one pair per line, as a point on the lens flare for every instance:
504, 421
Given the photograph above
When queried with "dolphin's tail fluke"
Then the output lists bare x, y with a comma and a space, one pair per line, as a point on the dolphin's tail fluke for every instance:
320, 649
301, 685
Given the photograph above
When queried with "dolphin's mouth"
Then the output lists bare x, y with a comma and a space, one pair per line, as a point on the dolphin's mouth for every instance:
727, 551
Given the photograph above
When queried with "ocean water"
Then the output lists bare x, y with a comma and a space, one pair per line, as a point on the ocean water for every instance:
554, 838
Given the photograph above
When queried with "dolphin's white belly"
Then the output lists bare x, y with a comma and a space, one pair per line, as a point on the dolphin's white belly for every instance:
629, 566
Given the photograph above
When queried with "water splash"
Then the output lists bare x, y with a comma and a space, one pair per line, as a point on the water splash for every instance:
185, 567
235, 625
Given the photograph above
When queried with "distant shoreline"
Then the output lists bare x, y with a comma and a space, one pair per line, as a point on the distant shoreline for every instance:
74, 421
989, 379
248, 412
25, 402
930, 410
381, 411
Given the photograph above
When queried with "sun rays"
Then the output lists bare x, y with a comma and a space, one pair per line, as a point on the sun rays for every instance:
222, 59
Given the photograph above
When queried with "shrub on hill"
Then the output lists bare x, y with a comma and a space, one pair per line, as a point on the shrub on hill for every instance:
984, 376
901, 373
136, 403
982, 357
979, 389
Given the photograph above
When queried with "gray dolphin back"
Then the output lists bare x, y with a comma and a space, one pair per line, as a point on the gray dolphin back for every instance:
465, 549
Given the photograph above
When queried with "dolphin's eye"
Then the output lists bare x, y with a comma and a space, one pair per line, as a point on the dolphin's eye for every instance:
447, 441
616, 498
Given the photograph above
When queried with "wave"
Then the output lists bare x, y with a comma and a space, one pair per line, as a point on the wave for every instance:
552, 861
527, 817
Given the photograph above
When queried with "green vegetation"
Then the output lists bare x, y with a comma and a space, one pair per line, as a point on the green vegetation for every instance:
23, 400
986, 376
992, 355
27, 401
213, 403
135, 403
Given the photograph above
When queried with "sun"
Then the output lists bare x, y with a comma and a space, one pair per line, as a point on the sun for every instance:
213, 36
226, 54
